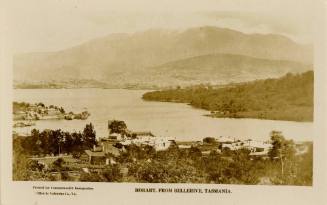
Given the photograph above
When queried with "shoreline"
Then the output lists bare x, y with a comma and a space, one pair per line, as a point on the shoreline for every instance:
224, 116
254, 118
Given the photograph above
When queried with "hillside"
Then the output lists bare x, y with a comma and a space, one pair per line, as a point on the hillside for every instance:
223, 69
287, 98
128, 58
207, 69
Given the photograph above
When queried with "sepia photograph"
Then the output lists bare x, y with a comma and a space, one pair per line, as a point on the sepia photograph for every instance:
163, 102
215, 93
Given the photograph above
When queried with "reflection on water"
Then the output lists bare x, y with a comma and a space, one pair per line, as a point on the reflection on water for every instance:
163, 119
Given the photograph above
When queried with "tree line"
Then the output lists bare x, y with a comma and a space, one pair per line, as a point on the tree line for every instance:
57, 142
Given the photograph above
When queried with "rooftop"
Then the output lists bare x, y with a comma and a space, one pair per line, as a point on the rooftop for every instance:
94, 154
109, 148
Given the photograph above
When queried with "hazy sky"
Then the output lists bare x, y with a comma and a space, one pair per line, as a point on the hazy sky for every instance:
48, 25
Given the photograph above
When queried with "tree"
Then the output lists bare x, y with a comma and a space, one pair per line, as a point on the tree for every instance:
209, 140
55, 141
243, 169
116, 126
112, 173
68, 143
20, 161
305, 167
215, 167
62, 110
282, 150
41, 104
89, 136
77, 145
35, 166
90, 177
60, 139
194, 153
58, 164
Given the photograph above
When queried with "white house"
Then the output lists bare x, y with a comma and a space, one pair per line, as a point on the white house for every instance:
254, 146
158, 143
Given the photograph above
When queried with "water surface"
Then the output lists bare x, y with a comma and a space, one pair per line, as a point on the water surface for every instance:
161, 118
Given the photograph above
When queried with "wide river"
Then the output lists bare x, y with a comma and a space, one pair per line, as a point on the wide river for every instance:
163, 119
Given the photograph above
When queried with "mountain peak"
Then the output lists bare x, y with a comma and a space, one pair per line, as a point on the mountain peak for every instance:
132, 53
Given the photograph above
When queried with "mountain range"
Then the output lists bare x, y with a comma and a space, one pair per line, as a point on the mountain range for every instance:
162, 58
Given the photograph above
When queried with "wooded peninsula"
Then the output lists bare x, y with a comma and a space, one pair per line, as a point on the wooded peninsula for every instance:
286, 98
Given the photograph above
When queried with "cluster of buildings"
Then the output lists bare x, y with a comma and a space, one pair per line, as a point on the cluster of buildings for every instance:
113, 145
79, 116
256, 147
39, 111
147, 138
107, 149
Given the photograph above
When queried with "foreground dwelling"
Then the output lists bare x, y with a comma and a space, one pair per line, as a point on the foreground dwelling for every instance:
102, 155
